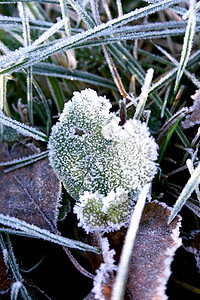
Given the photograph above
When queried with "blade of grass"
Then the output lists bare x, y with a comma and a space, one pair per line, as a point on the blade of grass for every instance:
27, 42
23, 129
53, 70
46, 235
31, 55
186, 193
3, 85
11, 260
168, 138
24, 161
187, 44
56, 93
144, 94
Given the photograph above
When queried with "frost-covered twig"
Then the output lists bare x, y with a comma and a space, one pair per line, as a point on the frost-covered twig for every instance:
123, 267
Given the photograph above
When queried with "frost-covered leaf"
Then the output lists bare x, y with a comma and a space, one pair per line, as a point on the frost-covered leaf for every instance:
194, 117
90, 152
32, 192
155, 245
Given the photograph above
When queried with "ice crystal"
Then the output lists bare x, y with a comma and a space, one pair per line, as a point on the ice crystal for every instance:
97, 213
90, 152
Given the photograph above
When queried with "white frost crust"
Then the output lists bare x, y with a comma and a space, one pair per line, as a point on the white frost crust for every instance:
105, 270
97, 213
169, 254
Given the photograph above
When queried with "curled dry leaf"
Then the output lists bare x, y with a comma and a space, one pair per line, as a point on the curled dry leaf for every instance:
194, 117
192, 245
30, 193
155, 245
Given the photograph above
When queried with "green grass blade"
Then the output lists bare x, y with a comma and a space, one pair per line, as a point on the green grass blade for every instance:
168, 137
45, 105
186, 193
56, 93
53, 70
126, 60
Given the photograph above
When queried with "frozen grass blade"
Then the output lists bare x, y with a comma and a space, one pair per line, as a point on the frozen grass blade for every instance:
11, 261
190, 186
24, 161
49, 33
23, 13
15, 289
65, 15
23, 129
187, 44
144, 94
53, 70
3, 80
125, 259
191, 170
28, 56
46, 235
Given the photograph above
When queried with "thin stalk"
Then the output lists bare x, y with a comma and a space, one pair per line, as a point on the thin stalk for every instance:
3, 84
77, 265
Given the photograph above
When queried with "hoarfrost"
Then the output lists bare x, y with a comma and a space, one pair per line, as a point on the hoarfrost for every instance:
105, 271
194, 117
106, 156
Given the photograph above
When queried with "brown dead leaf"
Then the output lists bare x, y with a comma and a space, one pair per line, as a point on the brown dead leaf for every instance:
194, 117
192, 245
30, 193
155, 245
